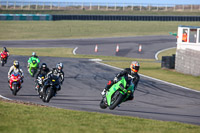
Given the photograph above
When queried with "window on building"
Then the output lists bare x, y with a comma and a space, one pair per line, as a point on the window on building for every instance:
193, 36
185, 34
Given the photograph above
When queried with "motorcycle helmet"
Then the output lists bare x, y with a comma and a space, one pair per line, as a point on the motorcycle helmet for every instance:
43, 66
34, 54
135, 66
4, 49
59, 66
16, 64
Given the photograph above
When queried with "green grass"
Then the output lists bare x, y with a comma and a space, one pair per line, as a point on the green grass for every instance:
20, 118
100, 12
148, 66
168, 52
17, 30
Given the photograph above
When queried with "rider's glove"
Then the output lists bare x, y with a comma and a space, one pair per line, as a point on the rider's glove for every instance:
115, 79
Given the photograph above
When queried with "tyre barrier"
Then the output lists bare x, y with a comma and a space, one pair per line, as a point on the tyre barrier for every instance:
168, 62
26, 17
48, 17
125, 18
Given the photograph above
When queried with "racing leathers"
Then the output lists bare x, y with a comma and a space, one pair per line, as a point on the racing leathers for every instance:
130, 76
5, 52
15, 70
33, 58
41, 72
55, 72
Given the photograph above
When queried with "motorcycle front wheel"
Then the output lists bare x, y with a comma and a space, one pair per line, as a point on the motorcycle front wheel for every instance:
116, 100
49, 94
14, 92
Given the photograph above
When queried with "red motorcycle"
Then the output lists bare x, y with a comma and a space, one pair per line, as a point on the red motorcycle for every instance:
4, 57
15, 82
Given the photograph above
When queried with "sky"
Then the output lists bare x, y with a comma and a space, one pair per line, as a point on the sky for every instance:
124, 1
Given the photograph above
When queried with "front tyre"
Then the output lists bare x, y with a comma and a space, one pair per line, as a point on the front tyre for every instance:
102, 104
116, 100
2, 63
49, 94
14, 92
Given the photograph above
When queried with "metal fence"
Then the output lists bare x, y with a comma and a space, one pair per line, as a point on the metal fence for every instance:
26, 5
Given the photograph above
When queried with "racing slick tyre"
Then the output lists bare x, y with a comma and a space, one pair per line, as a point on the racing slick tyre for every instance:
49, 94
14, 92
116, 100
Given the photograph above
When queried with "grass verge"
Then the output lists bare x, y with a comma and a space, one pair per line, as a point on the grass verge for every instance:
168, 52
21, 118
148, 66
14, 30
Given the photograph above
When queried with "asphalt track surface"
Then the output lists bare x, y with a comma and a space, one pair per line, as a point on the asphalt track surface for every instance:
128, 46
84, 80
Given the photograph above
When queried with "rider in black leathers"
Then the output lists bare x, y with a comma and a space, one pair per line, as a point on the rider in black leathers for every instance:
56, 72
42, 71
130, 74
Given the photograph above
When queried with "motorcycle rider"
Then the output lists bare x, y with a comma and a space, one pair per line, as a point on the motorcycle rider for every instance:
5, 51
56, 72
131, 75
15, 68
43, 71
31, 59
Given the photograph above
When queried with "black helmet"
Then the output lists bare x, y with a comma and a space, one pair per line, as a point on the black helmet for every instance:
44, 66
4, 49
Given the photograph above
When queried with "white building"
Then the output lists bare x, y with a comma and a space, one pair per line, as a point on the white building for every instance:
188, 50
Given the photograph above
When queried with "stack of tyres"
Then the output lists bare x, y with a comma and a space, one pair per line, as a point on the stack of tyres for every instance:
168, 62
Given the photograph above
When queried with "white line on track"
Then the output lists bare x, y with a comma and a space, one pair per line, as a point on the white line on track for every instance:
5, 97
156, 55
152, 78
74, 51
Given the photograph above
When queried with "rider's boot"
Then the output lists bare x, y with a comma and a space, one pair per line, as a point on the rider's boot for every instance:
103, 92
36, 87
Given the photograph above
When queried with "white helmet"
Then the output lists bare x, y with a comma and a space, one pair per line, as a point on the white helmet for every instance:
33, 54
59, 66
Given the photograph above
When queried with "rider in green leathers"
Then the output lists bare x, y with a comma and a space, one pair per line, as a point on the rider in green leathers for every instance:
31, 59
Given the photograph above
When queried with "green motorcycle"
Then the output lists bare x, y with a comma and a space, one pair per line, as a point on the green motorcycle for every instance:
33, 67
118, 93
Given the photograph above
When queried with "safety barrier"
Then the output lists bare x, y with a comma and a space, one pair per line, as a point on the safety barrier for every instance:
96, 17
30, 17
126, 17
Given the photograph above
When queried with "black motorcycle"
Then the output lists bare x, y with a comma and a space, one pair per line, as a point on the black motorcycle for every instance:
50, 88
